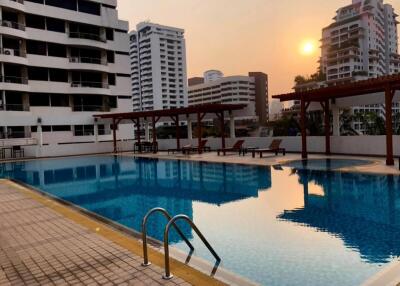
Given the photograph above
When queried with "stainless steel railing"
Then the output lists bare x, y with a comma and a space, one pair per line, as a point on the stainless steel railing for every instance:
144, 232
172, 223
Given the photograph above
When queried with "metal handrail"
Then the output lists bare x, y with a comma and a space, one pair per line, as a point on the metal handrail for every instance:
172, 222
144, 232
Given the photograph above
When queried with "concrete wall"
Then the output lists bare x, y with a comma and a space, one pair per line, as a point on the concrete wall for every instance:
363, 145
360, 145
54, 150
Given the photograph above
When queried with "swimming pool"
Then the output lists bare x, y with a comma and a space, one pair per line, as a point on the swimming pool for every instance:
275, 226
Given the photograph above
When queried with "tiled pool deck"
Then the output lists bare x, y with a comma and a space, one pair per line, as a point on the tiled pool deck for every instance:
40, 246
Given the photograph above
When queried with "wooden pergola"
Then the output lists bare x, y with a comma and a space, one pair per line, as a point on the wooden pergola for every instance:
199, 111
387, 85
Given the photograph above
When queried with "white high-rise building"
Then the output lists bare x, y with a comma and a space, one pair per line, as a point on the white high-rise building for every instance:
158, 67
61, 62
361, 43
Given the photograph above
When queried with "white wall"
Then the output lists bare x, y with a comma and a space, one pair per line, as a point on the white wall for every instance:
371, 145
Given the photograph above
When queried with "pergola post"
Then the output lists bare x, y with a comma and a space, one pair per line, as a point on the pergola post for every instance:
336, 120
115, 135
389, 93
327, 128
222, 118
303, 110
138, 134
232, 125
199, 131
146, 130
189, 128
154, 134
178, 134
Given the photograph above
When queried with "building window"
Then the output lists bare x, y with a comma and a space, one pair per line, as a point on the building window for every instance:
36, 47
55, 25
84, 130
36, 22
89, 7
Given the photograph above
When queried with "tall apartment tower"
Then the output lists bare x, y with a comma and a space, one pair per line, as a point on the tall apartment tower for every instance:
361, 43
158, 67
61, 62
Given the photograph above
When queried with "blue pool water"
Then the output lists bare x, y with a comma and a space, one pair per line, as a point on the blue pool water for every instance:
275, 226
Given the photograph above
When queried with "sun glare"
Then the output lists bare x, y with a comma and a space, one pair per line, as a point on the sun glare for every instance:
308, 47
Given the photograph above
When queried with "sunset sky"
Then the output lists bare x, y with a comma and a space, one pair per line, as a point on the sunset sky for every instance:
237, 36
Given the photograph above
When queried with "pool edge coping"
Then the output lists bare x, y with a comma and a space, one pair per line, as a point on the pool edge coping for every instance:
131, 240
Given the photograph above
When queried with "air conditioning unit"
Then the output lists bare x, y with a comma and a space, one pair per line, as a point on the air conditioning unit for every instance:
7, 24
8, 52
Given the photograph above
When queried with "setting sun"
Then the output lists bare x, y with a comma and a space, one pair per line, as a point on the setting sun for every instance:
308, 47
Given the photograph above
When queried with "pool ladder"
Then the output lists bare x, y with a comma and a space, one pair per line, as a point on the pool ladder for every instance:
171, 223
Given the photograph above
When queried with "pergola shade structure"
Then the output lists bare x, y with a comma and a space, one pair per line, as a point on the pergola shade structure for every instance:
177, 115
379, 90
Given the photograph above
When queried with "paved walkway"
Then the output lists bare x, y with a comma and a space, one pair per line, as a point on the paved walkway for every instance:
38, 246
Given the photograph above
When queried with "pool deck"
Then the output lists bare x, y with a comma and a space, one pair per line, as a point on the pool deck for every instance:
45, 243
378, 165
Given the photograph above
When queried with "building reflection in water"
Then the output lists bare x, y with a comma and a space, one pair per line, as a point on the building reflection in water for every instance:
363, 210
124, 189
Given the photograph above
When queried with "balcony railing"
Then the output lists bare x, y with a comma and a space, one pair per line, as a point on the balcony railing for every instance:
13, 52
88, 108
91, 84
18, 1
87, 60
14, 79
87, 36
14, 107
13, 25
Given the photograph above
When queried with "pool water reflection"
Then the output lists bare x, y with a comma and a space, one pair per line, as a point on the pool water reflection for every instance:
276, 226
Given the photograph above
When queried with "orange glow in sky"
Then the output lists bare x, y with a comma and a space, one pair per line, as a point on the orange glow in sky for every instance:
308, 47
238, 36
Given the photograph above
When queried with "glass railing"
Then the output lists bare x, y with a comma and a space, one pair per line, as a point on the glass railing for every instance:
91, 84
88, 108
13, 25
14, 79
87, 60
14, 107
87, 36
18, 1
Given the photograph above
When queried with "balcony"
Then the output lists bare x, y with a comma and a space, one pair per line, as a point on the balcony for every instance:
14, 79
89, 84
13, 25
86, 60
87, 36
14, 107
89, 108
13, 52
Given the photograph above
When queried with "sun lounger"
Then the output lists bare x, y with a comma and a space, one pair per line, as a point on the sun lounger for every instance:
273, 148
235, 148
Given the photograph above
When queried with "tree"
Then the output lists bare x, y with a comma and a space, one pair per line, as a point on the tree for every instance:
300, 79
286, 126
346, 123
